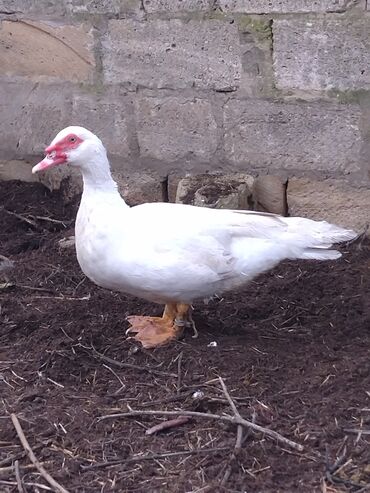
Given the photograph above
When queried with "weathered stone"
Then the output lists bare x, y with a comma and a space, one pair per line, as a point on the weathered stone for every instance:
139, 188
136, 188
231, 191
63, 178
98, 6
173, 180
31, 114
269, 194
172, 128
152, 6
27, 7
55, 9
13, 97
296, 136
105, 115
17, 170
330, 200
47, 110
6, 265
284, 6
37, 49
172, 54
68, 242
322, 54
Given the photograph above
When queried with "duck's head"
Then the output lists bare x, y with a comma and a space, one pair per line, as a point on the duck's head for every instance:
73, 145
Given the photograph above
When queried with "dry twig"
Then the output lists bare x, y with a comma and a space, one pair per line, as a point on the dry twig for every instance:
239, 435
120, 364
21, 217
59, 488
18, 477
8, 470
165, 425
236, 420
179, 373
163, 455
33, 485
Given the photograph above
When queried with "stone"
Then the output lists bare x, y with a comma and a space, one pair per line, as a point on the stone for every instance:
6, 265
13, 97
230, 191
39, 49
175, 127
173, 180
34, 7
46, 112
64, 178
322, 54
172, 54
139, 188
136, 188
307, 136
330, 200
67, 242
269, 194
284, 6
17, 170
64, 8
96, 6
31, 115
105, 114
154, 6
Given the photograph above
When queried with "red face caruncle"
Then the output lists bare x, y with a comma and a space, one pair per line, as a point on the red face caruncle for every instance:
69, 142
57, 153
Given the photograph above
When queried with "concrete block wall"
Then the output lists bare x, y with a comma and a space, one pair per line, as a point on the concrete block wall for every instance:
175, 87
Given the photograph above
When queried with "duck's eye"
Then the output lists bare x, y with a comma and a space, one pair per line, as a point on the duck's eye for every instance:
72, 139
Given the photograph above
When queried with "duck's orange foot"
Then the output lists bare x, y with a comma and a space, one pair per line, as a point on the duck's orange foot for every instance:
153, 331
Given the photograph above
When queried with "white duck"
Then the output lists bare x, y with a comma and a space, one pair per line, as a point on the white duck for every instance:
172, 253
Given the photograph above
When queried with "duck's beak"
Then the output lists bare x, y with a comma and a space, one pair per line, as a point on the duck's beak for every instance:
53, 157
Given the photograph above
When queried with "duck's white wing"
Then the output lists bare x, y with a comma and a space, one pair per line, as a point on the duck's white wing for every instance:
189, 252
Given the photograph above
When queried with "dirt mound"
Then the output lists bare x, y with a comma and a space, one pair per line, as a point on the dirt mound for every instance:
293, 350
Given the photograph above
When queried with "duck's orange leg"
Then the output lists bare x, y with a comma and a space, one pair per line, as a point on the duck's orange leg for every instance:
157, 331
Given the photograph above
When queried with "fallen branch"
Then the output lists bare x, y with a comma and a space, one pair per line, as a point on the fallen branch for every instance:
21, 217
18, 477
59, 488
358, 431
179, 375
239, 435
234, 455
163, 455
8, 470
51, 220
165, 425
34, 485
235, 420
120, 364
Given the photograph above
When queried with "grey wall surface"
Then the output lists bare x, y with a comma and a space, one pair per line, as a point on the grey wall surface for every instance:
171, 86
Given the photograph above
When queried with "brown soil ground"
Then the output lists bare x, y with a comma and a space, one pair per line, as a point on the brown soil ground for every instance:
293, 350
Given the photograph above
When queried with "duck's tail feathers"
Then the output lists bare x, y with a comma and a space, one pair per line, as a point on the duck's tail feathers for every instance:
320, 254
319, 236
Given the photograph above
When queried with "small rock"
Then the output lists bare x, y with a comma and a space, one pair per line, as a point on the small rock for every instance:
231, 191
67, 242
269, 195
140, 188
5, 264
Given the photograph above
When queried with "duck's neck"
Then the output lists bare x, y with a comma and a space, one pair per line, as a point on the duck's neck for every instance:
97, 176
